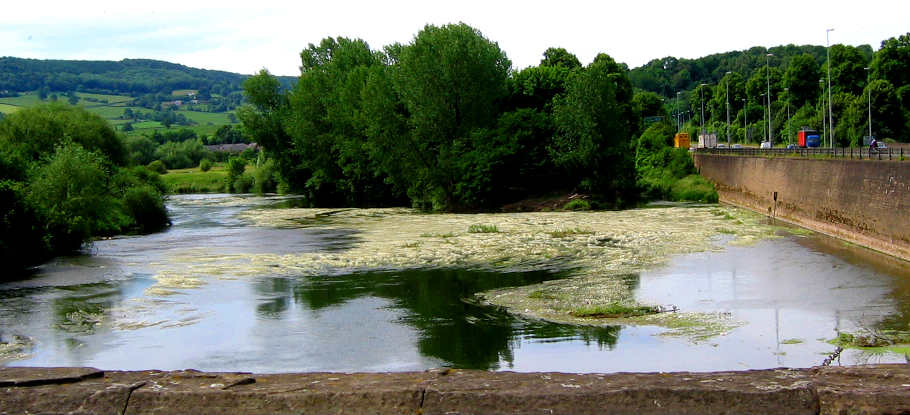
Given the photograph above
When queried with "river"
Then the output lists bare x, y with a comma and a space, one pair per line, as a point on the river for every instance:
156, 302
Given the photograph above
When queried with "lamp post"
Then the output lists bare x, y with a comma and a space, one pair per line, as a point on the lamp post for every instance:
824, 122
701, 97
677, 111
787, 90
768, 78
870, 103
745, 121
764, 116
830, 111
728, 107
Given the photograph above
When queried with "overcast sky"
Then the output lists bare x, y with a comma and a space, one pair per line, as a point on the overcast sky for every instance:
248, 36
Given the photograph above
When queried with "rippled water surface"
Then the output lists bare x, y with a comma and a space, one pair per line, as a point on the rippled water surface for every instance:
108, 309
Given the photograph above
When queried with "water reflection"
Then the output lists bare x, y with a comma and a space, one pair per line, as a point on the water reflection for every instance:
436, 303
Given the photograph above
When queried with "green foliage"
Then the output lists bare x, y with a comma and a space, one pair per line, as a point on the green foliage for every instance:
158, 166
266, 178
577, 204
35, 132
71, 192
181, 155
242, 184
559, 57
236, 181
562, 233
613, 311
595, 121
694, 188
146, 207
205, 165
481, 228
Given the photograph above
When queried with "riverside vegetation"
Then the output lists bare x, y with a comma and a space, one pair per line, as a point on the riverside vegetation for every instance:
65, 179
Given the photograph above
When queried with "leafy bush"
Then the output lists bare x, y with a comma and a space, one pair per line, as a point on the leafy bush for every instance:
71, 192
146, 208
243, 184
483, 229
235, 168
181, 155
694, 188
158, 166
577, 204
205, 165
265, 179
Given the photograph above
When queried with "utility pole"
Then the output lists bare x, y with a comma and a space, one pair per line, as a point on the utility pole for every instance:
728, 108
824, 122
830, 110
745, 121
787, 90
870, 103
677, 111
768, 77
701, 97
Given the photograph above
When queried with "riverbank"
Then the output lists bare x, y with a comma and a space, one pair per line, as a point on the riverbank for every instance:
874, 389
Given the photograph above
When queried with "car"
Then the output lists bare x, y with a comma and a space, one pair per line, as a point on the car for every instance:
721, 146
880, 145
737, 146
792, 146
765, 144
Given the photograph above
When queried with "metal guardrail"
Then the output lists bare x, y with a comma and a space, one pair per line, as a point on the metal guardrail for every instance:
854, 153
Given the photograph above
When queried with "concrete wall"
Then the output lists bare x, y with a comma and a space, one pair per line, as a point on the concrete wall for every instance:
861, 201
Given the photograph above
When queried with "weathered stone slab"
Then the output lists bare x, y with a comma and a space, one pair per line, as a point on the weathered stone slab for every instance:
754, 392
310, 393
865, 390
877, 389
33, 376
71, 391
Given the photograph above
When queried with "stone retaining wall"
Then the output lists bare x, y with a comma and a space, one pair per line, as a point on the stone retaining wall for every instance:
861, 201
879, 389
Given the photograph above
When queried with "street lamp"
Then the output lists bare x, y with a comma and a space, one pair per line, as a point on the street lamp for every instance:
728, 108
830, 111
824, 122
745, 121
677, 111
701, 98
787, 90
768, 77
764, 115
870, 103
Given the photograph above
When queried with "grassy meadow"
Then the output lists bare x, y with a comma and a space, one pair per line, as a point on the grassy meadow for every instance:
111, 107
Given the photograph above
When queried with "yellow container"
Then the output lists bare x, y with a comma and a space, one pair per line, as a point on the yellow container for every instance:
681, 140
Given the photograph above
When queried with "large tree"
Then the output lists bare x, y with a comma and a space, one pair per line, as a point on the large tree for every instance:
595, 123
451, 80
801, 78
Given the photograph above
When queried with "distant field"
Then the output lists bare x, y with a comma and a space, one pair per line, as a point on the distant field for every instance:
195, 181
142, 125
202, 118
111, 107
9, 109
24, 100
184, 92
111, 99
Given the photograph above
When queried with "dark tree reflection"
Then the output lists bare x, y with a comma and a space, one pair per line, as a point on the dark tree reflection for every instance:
438, 304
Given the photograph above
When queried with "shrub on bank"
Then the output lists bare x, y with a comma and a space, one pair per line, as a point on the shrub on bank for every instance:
158, 166
694, 188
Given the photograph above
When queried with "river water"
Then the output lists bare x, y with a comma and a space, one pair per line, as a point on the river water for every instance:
791, 296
